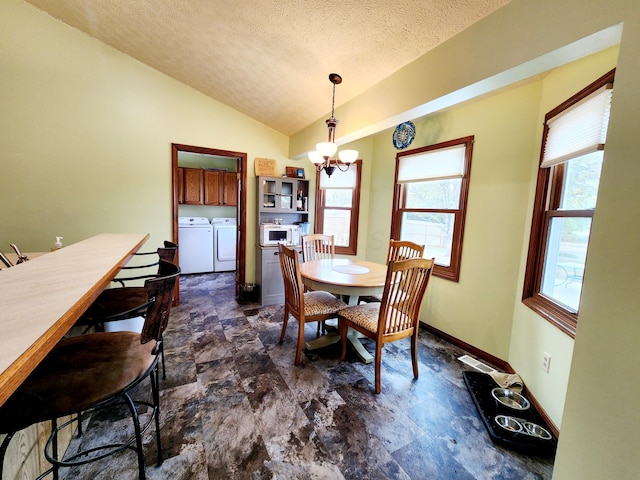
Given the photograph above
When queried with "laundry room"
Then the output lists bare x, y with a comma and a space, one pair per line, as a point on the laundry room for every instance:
207, 218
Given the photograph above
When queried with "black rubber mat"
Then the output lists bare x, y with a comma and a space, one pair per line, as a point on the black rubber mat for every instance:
480, 386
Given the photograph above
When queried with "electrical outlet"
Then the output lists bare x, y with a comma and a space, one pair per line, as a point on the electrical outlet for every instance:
546, 362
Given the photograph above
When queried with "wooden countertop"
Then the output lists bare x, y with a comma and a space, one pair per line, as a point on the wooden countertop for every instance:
41, 299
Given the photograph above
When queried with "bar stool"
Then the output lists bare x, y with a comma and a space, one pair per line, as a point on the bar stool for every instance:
92, 372
126, 302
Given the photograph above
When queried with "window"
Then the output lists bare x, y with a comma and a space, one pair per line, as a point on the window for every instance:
430, 201
568, 179
338, 206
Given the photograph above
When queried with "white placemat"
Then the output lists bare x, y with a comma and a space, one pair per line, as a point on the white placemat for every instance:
351, 269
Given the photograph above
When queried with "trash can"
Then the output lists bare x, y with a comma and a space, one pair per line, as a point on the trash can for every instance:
248, 293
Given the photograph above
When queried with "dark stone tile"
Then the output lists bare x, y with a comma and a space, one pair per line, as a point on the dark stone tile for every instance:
234, 406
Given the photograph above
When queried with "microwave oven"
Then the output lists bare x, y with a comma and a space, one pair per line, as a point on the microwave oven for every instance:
272, 234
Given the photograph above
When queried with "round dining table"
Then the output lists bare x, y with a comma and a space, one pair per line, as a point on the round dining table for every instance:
349, 278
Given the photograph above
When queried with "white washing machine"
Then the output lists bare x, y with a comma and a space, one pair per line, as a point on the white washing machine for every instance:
224, 244
195, 235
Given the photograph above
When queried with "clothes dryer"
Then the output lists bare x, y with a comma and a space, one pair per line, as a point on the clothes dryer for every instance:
224, 244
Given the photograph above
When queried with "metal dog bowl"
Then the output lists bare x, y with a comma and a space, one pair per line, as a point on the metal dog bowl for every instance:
510, 398
509, 423
536, 431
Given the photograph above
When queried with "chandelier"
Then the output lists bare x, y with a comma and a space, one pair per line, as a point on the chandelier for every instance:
321, 157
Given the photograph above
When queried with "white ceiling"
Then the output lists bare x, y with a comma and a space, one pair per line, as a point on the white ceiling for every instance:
270, 59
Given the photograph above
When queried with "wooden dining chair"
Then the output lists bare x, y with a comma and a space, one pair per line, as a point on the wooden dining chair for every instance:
398, 250
317, 247
306, 307
396, 316
88, 373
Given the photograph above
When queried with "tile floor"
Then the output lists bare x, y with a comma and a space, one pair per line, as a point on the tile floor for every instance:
235, 407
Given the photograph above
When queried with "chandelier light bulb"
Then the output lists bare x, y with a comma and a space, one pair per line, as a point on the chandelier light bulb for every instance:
326, 149
315, 157
348, 156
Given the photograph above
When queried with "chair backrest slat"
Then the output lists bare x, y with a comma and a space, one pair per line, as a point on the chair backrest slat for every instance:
403, 294
293, 287
160, 295
404, 249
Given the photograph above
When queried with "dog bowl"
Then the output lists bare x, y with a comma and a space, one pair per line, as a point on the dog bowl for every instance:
536, 431
509, 423
510, 398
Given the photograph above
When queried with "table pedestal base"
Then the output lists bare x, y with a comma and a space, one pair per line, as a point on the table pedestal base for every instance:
332, 337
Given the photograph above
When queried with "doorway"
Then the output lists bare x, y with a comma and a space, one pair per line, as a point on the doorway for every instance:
241, 210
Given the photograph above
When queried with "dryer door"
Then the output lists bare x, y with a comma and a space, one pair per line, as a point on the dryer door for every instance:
225, 251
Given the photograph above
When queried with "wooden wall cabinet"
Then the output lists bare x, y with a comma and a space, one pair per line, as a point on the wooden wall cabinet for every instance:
230, 188
193, 186
212, 187
180, 185
220, 188
197, 186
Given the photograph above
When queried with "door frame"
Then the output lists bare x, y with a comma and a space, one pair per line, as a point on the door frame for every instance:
241, 210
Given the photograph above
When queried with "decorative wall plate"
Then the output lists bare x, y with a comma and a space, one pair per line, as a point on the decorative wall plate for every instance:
404, 135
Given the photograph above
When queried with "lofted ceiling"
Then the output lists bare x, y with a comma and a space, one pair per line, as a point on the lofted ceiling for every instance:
270, 59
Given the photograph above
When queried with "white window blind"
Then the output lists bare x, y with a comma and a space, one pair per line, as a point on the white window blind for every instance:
339, 179
578, 130
432, 165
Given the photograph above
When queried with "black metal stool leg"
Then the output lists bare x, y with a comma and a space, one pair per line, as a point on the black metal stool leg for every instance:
155, 390
54, 467
138, 434
3, 451
164, 371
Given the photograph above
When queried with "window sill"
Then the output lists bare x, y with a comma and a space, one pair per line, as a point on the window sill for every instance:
553, 313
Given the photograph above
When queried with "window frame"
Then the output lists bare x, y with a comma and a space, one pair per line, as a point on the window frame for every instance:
318, 223
549, 189
452, 272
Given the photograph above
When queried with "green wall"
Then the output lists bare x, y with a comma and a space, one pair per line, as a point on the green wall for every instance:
507, 134
504, 127
525, 38
86, 133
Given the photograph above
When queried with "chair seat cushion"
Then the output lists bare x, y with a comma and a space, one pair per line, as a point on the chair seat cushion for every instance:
364, 315
321, 303
78, 373
114, 301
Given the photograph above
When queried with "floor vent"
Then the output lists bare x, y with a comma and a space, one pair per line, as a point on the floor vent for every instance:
472, 362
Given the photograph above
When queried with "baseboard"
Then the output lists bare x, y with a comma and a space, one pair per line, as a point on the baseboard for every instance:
498, 363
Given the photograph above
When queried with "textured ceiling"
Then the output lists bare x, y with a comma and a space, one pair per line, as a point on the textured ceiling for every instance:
270, 59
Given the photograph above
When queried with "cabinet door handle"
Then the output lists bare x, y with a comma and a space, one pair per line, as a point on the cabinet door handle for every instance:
276, 253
